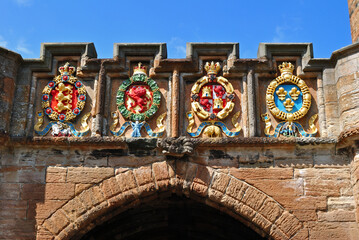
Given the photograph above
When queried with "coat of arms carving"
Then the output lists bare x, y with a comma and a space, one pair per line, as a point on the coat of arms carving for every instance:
212, 100
63, 99
138, 99
288, 98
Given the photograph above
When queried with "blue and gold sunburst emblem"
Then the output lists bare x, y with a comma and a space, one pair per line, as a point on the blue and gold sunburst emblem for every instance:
288, 98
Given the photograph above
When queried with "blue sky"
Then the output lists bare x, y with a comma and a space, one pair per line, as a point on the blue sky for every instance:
27, 23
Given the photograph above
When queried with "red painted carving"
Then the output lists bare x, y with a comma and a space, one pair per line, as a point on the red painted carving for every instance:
206, 104
141, 97
68, 94
207, 95
219, 90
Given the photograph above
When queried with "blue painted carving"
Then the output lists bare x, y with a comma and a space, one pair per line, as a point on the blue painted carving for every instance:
297, 103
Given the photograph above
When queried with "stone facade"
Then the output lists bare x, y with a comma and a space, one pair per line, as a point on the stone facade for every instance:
354, 19
282, 188
276, 188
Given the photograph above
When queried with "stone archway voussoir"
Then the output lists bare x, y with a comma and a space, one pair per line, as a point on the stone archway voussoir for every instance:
212, 185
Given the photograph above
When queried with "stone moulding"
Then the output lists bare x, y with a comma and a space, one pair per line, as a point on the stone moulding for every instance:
169, 143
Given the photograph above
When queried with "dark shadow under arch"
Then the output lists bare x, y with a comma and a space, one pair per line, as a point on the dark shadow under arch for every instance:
174, 218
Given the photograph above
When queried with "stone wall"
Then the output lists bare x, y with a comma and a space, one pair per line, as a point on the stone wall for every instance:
8, 73
282, 188
354, 19
347, 75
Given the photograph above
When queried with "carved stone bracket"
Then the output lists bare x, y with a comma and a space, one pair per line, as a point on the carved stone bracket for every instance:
176, 146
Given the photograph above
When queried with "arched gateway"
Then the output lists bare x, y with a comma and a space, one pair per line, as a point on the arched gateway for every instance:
211, 146
172, 185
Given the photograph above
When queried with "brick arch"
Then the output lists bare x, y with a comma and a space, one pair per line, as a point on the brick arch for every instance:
129, 188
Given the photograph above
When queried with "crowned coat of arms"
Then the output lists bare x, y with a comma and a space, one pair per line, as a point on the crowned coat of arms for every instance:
288, 98
138, 99
212, 100
63, 99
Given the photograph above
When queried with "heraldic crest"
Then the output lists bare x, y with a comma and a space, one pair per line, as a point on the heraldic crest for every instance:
138, 99
212, 100
288, 98
63, 99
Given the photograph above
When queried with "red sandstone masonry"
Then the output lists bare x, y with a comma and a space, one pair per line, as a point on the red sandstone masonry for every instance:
44, 234
126, 181
160, 170
46, 208
186, 179
286, 187
22, 174
276, 233
333, 230
305, 215
262, 173
262, 222
354, 19
336, 216
59, 191
244, 211
327, 188
271, 210
301, 234
219, 184
56, 222
91, 197
56, 174
10, 191
128, 189
88, 175
201, 176
288, 223
145, 180
16, 229
161, 174
110, 187
74, 208
302, 202
81, 187
32, 191
313, 194
202, 180
91, 203
180, 173
13, 209
253, 198
236, 189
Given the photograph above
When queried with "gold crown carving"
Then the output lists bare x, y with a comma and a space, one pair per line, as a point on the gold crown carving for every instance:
139, 69
286, 68
218, 103
206, 92
213, 68
281, 93
294, 93
288, 104
66, 69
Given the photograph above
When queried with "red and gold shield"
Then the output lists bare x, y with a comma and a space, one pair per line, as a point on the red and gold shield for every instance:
212, 96
64, 97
